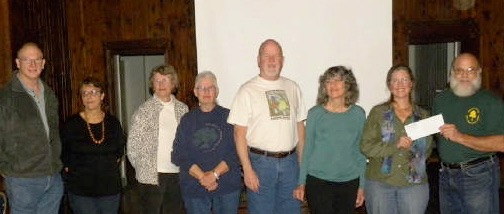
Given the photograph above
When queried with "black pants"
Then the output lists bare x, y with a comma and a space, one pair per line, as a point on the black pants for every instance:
331, 197
164, 198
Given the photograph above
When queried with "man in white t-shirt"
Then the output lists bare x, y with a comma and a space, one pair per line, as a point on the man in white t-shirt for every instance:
268, 114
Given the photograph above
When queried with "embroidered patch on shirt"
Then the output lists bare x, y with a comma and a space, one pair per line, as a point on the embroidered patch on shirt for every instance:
473, 116
279, 106
207, 138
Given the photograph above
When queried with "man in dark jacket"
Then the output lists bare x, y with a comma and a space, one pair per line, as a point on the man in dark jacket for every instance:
30, 144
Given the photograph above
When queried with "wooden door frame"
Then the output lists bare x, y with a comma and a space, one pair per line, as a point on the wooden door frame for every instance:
130, 48
465, 31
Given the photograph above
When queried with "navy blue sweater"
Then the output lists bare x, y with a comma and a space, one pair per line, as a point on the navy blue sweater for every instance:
206, 139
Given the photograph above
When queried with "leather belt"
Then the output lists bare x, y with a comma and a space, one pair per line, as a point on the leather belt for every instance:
467, 164
272, 154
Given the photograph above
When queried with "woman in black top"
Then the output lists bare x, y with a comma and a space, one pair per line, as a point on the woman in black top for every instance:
93, 144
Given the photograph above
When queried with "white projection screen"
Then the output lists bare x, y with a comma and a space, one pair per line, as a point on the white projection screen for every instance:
314, 35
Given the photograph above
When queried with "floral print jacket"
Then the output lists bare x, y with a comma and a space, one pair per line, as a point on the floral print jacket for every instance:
143, 138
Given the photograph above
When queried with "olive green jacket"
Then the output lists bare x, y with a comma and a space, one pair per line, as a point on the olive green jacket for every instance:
25, 148
376, 150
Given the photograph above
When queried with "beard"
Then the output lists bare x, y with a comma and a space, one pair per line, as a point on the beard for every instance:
464, 90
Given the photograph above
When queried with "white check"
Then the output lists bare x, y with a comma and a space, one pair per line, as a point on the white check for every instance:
424, 127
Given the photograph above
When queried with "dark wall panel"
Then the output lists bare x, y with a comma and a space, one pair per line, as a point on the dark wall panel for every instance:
72, 34
5, 54
487, 17
41, 21
93, 24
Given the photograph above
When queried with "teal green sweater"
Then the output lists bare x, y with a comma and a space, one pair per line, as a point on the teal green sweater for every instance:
331, 150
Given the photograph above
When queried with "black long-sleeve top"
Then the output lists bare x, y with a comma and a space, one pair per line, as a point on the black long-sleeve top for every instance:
93, 169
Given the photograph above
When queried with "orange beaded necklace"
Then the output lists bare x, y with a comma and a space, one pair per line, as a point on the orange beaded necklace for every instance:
91, 132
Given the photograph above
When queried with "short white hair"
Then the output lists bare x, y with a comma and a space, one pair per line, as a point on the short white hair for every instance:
206, 75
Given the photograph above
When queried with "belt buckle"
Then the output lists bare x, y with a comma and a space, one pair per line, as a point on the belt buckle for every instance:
467, 164
283, 154
476, 161
451, 165
276, 154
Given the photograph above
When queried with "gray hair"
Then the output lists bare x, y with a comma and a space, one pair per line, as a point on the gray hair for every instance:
351, 87
166, 70
206, 75
268, 41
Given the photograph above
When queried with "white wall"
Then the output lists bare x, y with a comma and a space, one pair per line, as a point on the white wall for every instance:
314, 35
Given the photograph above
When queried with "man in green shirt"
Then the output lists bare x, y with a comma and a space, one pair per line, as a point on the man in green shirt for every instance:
472, 133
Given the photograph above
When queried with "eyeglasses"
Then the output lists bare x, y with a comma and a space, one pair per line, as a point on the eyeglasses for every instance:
161, 81
206, 89
93, 93
27, 61
403, 81
334, 81
469, 71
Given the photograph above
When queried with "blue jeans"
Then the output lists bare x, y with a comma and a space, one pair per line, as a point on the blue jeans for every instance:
94, 205
222, 204
383, 198
278, 178
38, 195
473, 189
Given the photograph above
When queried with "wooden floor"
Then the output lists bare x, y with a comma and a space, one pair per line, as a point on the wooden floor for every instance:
131, 206
130, 198
130, 203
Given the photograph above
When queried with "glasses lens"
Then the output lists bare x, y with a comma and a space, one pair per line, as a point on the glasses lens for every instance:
31, 61
91, 93
401, 81
470, 70
207, 89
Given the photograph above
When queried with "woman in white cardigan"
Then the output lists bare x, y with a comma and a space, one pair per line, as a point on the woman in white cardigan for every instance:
150, 141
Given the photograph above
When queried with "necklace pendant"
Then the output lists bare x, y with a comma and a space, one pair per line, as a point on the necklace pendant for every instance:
95, 141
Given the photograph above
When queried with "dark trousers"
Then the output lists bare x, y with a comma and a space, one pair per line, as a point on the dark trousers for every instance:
164, 198
331, 197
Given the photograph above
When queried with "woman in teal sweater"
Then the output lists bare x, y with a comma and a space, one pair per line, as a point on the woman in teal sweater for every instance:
332, 166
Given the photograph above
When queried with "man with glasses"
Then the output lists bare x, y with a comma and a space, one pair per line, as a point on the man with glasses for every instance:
29, 137
473, 132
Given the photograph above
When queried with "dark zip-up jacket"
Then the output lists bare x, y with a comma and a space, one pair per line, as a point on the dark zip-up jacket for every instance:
25, 148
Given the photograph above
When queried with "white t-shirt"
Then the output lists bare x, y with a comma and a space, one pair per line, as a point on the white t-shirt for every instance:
167, 129
270, 110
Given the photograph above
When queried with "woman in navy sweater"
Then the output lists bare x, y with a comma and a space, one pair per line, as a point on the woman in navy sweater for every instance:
204, 149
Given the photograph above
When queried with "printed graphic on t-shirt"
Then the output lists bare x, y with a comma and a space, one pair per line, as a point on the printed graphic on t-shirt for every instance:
207, 138
473, 116
279, 106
